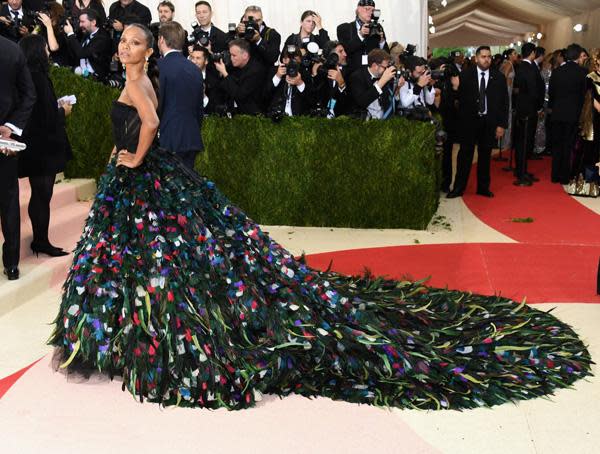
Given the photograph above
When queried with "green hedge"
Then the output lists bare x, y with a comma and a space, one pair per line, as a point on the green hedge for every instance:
301, 172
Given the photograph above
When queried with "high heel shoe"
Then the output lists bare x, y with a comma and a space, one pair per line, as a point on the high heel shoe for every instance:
47, 249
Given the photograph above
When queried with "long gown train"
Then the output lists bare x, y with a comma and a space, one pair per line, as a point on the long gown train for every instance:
176, 290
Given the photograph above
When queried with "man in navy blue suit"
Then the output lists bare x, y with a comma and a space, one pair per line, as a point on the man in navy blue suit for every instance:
181, 96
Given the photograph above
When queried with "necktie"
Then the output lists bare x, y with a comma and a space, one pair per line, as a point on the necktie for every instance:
16, 14
482, 94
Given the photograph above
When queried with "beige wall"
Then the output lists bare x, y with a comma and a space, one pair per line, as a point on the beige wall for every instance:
560, 33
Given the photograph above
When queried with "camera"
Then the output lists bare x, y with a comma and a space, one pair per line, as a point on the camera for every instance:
224, 56
449, 71
251, 28
331, 62
313, 55
410, 50
374, 26
198, 36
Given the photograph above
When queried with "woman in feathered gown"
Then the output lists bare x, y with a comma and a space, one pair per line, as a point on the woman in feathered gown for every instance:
177, 291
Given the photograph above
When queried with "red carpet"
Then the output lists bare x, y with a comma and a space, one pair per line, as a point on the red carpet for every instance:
542, 274
558, 218
7, 382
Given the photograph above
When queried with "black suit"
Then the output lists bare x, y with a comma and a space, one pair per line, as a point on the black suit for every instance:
17, 98
364, 92
476, 129
244, 87
276, 96
328, 94
218, 39
97, 51
211, 90
266, 53
529, 100
566, 94
11, 32
356, 48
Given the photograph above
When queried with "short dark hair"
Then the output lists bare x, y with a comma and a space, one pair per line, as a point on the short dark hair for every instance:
242, 44
91, 15
527, 49
202, 2
173, 34
204, 50
330, 47
573, 52
539, 52
34, 49
378, 56
481, 48
413, 61
167, 4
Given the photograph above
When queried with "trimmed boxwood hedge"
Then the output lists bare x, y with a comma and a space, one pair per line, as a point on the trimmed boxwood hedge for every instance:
301, 171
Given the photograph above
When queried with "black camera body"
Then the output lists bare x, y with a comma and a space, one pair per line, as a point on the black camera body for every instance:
198, 36
292, 68
375, 28
224, 57
251, 28
330, 62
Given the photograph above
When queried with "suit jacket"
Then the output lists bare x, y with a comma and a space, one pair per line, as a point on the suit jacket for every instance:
134, 12
218, 39
48, 146
211, 89
468, 99
97, 51
181, 104
355, 48
325, 91
244, 87
362, 88
10, 32
276, 96
267, 52
530, 97
321, 39
567, 92
17, 93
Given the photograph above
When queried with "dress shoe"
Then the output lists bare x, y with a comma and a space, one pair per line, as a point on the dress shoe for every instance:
12, 273
454, 194
531, 177
486, 193
522, 182
47, 249
535, 157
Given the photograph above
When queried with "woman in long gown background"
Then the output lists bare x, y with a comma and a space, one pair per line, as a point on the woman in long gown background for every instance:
176, 290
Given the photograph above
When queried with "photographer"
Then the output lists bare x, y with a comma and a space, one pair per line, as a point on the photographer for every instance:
125, 12
200, 57
56, 39
15, 20
264, 41
205, 33
372, 87
242, 83
93, 53
418, 90
329, 81
287, 92
362, 36
309, 22
75, 7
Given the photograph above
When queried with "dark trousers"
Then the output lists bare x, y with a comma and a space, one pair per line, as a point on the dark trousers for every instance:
482, 134
525, 129
447, 162
10, 214
563, 138
42, 189
188, 158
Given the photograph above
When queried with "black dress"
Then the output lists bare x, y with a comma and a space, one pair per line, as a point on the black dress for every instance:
177, 290
48, 147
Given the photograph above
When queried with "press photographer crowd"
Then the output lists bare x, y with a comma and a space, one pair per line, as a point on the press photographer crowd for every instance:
523, 100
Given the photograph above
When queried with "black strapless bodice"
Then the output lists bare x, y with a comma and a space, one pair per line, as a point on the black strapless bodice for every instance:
126, 126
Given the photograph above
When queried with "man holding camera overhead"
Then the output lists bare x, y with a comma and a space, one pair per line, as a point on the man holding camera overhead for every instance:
362, 35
